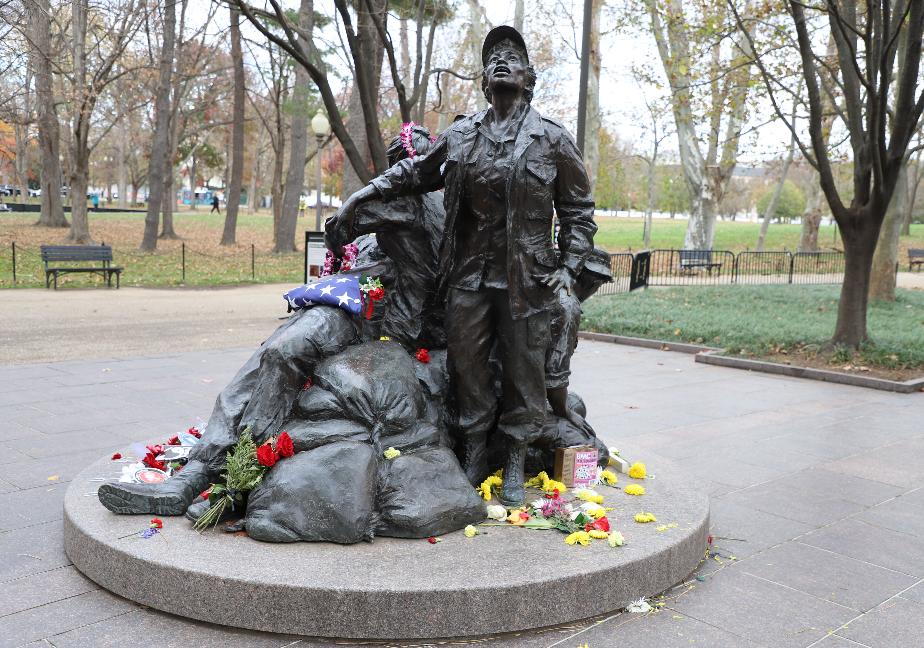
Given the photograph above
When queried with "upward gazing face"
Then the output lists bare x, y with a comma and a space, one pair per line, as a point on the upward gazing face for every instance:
506, 70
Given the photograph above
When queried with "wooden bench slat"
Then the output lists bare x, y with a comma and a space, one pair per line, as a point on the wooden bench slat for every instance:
53, 254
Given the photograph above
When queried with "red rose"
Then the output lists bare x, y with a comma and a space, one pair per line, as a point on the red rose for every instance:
432, 540
174, 440
266, 456
284, 445
307, 384
195, 432
423, 355
157, 523
117, 455
152, 462
600, 525
155, 449
376, 294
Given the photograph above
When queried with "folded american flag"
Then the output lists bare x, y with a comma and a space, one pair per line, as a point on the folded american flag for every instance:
341, 290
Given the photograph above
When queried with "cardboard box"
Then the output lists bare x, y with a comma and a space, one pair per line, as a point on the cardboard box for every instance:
576, 466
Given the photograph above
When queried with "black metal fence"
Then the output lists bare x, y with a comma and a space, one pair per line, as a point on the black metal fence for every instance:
723, 267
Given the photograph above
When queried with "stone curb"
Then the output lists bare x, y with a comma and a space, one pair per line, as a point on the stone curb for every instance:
870, 382
505, 580
716, 357
661, 345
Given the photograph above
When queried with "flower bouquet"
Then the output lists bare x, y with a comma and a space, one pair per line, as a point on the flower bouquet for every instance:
244, 471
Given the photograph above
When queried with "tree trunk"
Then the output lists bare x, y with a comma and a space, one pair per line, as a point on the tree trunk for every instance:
252, 198
284, 234
233, 197
193, 182
811, 220
478, 31
80, 129
80, 224
373, 50
160, 145
122, 170
592, 139
52, 214
519, 10
169, 204
882, 279
859, 246
774, 200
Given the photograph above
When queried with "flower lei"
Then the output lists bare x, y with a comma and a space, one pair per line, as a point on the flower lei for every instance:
246, 465
406, 138
373, 290
350, 252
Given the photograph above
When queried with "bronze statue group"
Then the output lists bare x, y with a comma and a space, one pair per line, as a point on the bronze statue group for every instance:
459, 229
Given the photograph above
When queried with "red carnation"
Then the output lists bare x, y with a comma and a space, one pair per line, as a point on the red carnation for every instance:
423, 355
152, 462
157, 523
205, 494
174, 440
284, 445
600, 525
117, 455
433, 540
155, 449
266, 456
376, 294
195, 432
307, 384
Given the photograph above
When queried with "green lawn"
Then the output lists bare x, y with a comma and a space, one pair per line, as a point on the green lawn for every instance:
760, 320
618, 234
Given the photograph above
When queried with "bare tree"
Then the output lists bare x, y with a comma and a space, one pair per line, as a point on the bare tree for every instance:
692, 57
284, 236
784, 171
160, 165
233, 197
879, 50
52, 214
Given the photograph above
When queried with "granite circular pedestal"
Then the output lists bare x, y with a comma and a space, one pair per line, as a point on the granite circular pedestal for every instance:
504, 580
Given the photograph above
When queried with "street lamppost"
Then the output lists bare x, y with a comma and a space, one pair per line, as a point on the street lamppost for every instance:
321, 129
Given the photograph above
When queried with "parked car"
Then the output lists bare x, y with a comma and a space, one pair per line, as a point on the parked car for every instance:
35, 193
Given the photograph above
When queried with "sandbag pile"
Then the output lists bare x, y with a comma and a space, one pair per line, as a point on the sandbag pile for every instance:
339, 486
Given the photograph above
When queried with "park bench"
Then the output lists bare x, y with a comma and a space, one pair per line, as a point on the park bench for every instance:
54, 255
695, 259
915, 257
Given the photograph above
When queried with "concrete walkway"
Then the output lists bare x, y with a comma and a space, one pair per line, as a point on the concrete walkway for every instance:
816, 489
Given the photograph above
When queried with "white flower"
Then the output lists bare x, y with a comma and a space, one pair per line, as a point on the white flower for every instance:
497, 512
537, 504
640, 606
470, 531
616, 539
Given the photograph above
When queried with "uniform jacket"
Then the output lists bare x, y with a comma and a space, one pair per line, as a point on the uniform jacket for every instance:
548, 178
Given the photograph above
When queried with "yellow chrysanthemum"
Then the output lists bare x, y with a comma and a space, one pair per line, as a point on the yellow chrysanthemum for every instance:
384, 338
470, 531
637, 470
578, 537
588, 495
489, 486
616, 539
608, 477
518, 516
598, 535
596, 512
391, 453
543, 482
643, 518
536, 482
634, 489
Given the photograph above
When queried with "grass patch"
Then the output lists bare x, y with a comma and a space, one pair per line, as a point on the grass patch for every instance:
763, 321
209, 264
620, 234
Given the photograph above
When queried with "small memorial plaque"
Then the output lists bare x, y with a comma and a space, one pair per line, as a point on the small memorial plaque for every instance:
576, 466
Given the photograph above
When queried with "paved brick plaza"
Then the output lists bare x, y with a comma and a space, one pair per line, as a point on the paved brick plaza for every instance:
816, 489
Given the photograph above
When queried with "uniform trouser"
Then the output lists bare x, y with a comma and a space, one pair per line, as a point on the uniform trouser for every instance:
475, 321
